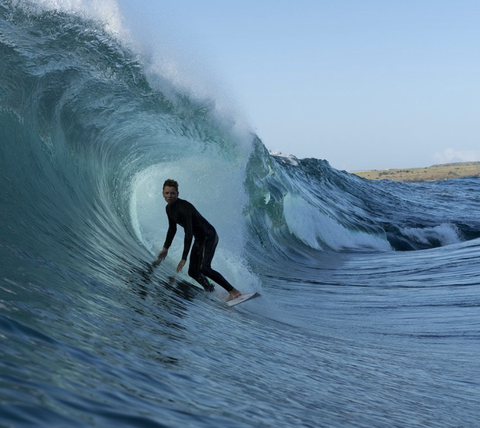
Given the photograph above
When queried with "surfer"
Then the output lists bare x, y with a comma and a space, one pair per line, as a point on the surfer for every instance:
182, 212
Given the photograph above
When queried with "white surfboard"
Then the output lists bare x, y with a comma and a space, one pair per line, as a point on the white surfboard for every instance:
242, 298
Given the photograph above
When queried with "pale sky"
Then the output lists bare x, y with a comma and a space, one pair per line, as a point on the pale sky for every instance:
364, 84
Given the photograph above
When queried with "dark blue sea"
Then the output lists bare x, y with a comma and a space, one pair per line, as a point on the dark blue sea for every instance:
370, 307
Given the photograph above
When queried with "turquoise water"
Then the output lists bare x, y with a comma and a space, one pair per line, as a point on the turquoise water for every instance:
369, 308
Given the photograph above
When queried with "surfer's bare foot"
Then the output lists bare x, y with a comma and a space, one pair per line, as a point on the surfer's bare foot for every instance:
232, 294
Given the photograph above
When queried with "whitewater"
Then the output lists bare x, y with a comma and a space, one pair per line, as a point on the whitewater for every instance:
369, 315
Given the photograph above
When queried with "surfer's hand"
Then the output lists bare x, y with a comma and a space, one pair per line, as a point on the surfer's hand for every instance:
181, 265
161, 257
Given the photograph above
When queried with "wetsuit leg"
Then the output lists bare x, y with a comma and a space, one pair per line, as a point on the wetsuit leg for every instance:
194, 269
209, 246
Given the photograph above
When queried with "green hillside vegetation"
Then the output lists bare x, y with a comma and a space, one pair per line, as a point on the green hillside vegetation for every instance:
432, 173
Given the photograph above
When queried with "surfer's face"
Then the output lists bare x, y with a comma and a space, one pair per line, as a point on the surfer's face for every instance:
170, 194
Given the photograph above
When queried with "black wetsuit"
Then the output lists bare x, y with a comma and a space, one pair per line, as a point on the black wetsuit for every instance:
206, 239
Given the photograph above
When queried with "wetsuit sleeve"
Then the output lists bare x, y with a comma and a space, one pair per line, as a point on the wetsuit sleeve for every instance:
172, 230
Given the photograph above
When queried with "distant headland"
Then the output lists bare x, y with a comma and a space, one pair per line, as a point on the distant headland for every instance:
445, 171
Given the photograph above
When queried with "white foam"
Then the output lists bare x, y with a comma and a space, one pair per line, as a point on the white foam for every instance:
445, 233
105, 11
291, 159
314, 227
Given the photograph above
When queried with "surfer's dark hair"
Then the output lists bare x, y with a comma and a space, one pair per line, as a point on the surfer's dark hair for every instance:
170, 183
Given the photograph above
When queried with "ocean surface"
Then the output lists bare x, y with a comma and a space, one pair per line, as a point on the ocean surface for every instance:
370, 307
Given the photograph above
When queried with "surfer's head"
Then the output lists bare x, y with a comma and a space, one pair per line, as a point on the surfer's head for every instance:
170, 183
170, 191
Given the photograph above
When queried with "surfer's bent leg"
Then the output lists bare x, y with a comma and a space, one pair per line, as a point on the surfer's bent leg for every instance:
209, 246
196, 257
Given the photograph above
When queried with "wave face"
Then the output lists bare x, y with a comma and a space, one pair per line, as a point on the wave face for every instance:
91, 335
